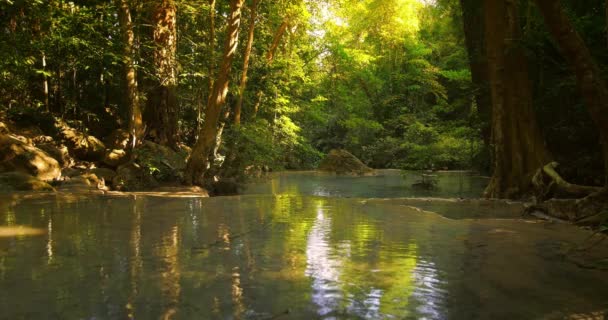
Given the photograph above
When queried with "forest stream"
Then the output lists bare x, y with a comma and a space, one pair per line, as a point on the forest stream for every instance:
297, 245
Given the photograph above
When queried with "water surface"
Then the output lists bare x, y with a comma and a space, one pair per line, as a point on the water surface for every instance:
291, 255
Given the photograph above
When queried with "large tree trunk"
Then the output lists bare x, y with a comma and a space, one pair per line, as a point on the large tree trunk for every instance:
243, 84
472, 16
162, 107
518, 146
136, 129
592, 86
200, 158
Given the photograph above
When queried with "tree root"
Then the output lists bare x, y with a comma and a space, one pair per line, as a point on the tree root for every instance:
557, 198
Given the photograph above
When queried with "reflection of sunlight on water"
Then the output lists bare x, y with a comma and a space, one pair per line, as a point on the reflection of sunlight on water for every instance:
429, 291
19, 231
322, 267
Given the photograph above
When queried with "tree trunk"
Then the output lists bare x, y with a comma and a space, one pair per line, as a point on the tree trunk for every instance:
270, 57
136, 129
518, 146
588, 74
243, 84
45, 83
472, 16
200, 158
162, 107
277, 40
211, 69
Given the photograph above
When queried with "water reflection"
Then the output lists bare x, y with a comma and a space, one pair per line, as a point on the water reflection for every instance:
259, 257
323, 267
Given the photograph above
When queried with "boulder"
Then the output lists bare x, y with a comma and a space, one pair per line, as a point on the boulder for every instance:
16, 155
118, 139
72, 172
82, 183
164, 163
133, 177
4, 128
104, 173
83, 146
59, 152
343, 162
115, 157
19, 181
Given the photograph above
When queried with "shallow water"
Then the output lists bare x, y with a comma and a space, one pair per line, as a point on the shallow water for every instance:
290, 256
386, 184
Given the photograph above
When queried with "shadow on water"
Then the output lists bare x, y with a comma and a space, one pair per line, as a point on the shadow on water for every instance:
288, 254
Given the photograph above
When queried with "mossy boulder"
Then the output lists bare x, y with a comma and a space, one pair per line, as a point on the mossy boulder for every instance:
162, 162
340, 161
19, 181
17, 155
133, 177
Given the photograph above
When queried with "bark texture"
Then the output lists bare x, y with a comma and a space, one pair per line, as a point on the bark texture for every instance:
201, 153
588, 74
243, 85
473, 23
277, 40
162, 107
518, 146
136, 128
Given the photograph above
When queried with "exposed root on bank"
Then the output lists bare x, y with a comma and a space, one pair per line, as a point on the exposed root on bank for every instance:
563, 201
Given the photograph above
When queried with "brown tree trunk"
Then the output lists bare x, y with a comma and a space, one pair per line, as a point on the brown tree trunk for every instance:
200, 158
472, 16
518, 146
162, 107
211, 69
136, 129
243, 84
270, 57
277, 40
589, 77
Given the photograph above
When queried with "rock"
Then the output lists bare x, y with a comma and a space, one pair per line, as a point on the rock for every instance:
15, 155
83, 183
4, 128
118, 139
104, 173
225, 187
18, 181
164, 163
181, 191
133, 177
42, 139
114, 158
58, 152
343, 162
84, 147
71, 172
